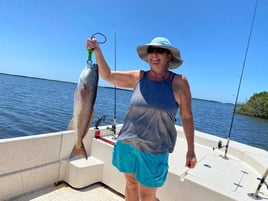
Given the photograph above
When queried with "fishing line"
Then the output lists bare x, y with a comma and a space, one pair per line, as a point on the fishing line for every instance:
241, 76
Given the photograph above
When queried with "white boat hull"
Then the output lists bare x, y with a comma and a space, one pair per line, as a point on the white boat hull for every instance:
35, 162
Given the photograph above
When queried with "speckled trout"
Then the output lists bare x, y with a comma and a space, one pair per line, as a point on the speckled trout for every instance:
84, 100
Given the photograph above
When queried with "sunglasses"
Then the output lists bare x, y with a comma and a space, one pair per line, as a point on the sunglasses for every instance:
151, 50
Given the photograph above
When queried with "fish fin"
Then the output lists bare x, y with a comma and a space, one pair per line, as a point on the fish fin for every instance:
78, 151
71, 125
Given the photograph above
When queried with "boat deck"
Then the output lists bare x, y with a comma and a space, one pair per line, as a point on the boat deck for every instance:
95, 192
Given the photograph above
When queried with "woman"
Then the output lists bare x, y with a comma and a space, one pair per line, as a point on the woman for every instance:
148, 134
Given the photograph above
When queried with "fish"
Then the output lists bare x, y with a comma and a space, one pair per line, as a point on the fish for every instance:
83, 109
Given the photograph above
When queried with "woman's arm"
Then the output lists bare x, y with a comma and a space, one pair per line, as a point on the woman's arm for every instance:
126, 79
182, 93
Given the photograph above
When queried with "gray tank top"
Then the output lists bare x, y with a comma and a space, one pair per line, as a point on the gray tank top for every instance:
150, 122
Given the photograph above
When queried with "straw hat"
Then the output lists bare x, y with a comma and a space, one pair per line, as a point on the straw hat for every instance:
161, 42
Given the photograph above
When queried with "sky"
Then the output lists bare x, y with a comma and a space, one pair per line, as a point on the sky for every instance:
46, 39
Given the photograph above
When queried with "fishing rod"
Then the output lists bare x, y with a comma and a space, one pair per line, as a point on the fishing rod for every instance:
255, 195
113, 128
114, 125
241, 76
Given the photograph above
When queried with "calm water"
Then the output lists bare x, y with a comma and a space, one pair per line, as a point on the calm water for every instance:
30, 106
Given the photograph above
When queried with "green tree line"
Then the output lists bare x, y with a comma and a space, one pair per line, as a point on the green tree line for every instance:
256, 106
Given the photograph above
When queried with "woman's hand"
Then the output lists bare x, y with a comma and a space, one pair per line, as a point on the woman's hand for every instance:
190, 159
92, 44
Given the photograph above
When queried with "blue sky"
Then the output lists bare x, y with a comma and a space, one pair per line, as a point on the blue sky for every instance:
46, 39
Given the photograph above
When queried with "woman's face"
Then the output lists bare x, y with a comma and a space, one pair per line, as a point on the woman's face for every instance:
158, 57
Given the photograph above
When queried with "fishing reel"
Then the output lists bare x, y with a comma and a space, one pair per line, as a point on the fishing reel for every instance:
113, 129
255, 195
98, 122
219, 146
262, 181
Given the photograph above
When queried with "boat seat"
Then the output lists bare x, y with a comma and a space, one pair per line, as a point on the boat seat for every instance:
81, 172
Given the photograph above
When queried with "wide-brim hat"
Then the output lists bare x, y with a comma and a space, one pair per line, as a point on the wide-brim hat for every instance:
162, 42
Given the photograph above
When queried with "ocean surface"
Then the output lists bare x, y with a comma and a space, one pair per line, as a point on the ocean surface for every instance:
30, 106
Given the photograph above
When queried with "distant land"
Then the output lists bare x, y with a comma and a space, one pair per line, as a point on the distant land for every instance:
118, 88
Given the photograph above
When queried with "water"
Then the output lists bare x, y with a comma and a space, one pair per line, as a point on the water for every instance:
30, 106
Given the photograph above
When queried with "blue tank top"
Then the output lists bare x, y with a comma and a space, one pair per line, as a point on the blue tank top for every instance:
150, 122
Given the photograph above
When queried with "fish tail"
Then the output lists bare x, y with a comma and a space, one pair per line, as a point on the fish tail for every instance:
78, 151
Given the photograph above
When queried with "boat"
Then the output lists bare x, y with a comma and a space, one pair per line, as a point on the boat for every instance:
38, 168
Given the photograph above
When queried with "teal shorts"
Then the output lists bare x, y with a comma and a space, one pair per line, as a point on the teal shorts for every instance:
149, 169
